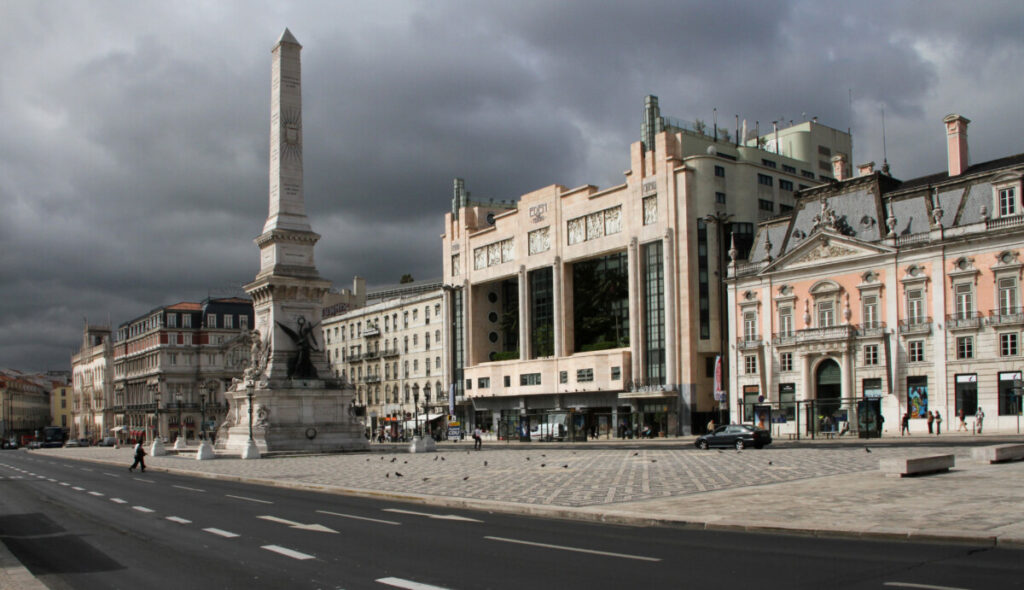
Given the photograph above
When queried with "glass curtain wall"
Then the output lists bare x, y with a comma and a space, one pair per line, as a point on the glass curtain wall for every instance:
654, 293
542, 334
600, 295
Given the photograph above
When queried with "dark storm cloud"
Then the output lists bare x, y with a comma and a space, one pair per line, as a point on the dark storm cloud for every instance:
133, 165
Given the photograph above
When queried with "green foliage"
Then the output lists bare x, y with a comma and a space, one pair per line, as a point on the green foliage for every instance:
508, 355
406, 278
602, 345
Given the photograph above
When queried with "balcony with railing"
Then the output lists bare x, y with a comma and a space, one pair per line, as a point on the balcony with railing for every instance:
370, 331
916, 325
370, 354
784, 338
826, 334
871, 330
750, 342
1006, 316
963, 320
389, 353
371, 379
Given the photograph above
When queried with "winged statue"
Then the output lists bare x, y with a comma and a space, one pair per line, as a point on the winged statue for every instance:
301, 365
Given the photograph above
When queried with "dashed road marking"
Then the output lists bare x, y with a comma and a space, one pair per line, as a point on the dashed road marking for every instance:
111, 474
287, 552
359, 517
574, 549
63, 483
78, 489
142, 509
179, 520
922, 586
408, 584
434, 516
95, 494
188, 488
118, 501
222, 533
248, 499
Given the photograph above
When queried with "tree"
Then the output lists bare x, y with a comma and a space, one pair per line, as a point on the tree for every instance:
700, 126
406, 278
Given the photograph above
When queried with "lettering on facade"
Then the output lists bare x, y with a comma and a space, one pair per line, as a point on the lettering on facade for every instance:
642, 386
649, 187
537, 212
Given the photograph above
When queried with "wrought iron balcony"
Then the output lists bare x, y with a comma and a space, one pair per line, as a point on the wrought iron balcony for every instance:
871, 330
372, 354
963, 320
389, 352
916, 325
1006, 316
371, 379
784, 339
749, 343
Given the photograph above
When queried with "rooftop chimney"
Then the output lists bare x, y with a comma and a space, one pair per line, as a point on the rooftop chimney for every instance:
865, 169
839, 166
956, 143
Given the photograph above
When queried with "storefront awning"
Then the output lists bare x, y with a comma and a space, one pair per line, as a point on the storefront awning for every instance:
652, 394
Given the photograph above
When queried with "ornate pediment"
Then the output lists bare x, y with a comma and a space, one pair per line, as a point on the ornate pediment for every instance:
825, 247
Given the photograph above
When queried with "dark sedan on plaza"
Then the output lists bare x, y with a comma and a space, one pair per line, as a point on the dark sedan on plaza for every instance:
739, 436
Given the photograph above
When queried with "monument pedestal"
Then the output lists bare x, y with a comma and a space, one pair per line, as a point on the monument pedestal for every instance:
205, 451
157, 448
419, 444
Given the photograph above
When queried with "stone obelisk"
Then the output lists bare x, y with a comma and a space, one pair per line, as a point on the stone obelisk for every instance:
297, 404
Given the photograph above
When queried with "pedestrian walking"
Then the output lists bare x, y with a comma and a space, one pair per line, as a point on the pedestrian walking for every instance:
139, 461
478, 439
905, 424
979, 418
963, 421
938, 423
931, 422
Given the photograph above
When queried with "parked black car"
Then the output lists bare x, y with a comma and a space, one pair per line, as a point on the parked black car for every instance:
735, 435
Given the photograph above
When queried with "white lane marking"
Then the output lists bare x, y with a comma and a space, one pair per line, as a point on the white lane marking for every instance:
142, 509
40, 477
287, 552
222, 533
95, 494
358, 517
78, 489
179, 520
144, 480
249, 499
51, 480
298, 525
575, 549
85, 469
924, 586
64, 483
118, 501
111, 474
408, 584
434, 516
188, 488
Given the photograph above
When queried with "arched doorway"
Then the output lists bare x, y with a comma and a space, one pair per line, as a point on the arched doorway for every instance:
828, 388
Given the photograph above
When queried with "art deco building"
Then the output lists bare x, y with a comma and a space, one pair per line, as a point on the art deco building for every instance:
392, 351
170, 362
599, 310
878, 297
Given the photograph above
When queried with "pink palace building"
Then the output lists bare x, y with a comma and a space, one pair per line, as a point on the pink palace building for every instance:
877, 298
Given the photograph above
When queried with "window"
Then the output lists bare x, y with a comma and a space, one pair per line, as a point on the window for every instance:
1007, 296
807, 174
916, 351
720, 171
243, 322
720, 198
229, 321
749, 326
786, 185
767, 163
870, 304
172, 320
426, 341
481, 383
964, 294
786, 361
750, 365
826, 314
211, 321
785, 320
915, 306
186, 320
871, 354
765, 180
616, 373
788, 168
563, 376
584, 375
1007, 201
529, 379
1008, 344
1009, 397
765, 205
965, 347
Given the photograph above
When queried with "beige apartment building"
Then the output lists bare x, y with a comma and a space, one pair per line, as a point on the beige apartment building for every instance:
92, 379
391, 350
877, 299
586, 312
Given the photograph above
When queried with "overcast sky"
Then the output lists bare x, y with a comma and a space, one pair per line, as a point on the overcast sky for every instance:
133, 158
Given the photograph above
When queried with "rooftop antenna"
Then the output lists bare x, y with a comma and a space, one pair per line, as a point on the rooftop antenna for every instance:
714, 117
885, 160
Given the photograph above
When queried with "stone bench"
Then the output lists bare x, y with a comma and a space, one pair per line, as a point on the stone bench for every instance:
998, 453
902, 467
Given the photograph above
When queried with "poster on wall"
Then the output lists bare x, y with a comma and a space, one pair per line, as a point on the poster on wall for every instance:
917, 399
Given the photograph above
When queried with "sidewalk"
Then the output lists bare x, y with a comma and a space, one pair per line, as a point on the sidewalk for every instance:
822, 488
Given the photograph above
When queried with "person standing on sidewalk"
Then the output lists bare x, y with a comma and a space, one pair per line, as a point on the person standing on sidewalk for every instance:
905, 424
139, 461
478, 440
931, 422
979, 418
963, 421
938, 423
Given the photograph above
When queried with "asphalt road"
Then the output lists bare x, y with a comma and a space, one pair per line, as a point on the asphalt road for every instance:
81, 525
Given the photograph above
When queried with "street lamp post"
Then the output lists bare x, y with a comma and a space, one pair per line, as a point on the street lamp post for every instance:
180, 444
720, 219
156, 448
416, 412
251, 451
205, 448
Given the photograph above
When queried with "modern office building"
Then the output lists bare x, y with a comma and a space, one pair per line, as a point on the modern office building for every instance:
598, 311
171, 363
392, 351
877, 297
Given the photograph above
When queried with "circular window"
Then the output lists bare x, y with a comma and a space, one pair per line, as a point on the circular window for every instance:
492, 297
493, 316
961, 264
1007, 258
493, 337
